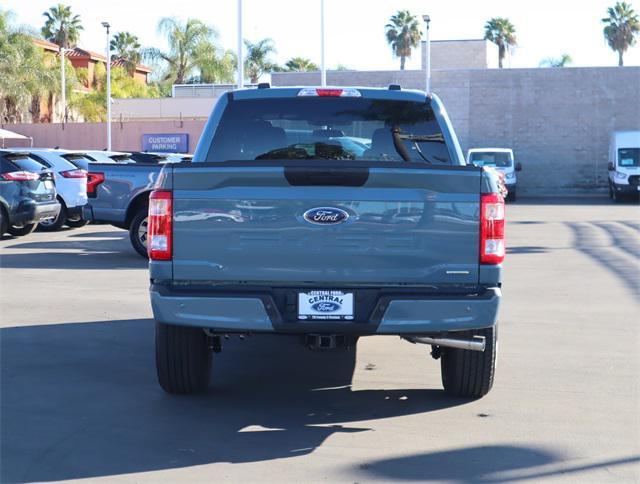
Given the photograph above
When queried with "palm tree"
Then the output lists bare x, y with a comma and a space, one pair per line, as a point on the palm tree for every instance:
501, 32
62, 27
563, 61
186, 42
403, 34
215, 65
301, 64
622, 26
257, 62
26, 77
126, 47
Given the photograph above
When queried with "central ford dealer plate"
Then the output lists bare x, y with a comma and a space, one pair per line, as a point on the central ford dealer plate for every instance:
325, 305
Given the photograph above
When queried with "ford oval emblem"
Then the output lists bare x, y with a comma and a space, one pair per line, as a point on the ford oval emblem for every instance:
326, 306
326, 216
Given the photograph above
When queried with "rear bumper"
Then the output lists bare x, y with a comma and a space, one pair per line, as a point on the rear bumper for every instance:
28, 213
395, 314
76, 213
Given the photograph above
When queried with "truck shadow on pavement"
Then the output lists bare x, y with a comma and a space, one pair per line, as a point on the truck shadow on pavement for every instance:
82, 401
491, 463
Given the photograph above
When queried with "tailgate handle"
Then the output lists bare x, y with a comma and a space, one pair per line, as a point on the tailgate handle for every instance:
337, 177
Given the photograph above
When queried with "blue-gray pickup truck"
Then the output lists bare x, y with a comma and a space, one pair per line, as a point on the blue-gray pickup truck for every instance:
329, 213
118, 193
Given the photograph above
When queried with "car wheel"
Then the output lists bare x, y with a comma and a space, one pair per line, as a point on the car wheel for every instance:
138, 232
4, 222
511, 196
183, 358
76, 224
610, 191
617, 198
466, 373
21, 230
54, 224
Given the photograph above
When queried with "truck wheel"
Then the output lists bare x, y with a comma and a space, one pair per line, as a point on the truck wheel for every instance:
512, 196
22, 230
76, 224
466, 373
138, 232
54, 224
183, 358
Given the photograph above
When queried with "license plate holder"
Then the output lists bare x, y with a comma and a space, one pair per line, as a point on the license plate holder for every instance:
329, 305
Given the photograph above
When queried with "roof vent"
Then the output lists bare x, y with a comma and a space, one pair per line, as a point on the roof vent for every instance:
264, 85
394, 87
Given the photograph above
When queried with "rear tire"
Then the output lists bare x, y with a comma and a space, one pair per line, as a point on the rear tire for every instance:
183, 358
76, 224
4, 222
23, 230
512, 196
469, 374
53, 225
138, 232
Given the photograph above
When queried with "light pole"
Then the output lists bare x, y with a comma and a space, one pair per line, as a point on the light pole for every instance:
107, 26
323, 70
427, 64
63, 87
240, 57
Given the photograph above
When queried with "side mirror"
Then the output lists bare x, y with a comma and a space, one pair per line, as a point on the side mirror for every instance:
518, 166
610, 166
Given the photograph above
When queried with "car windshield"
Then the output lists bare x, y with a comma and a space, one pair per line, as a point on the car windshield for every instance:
500, 159
629, 157
329, 128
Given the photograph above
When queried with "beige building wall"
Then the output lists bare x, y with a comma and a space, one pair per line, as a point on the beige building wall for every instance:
460, 54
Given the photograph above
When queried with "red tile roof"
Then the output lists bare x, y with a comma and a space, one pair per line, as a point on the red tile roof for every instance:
45, 44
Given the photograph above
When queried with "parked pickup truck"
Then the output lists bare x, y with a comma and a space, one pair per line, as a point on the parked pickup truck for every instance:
118, 194
262, 233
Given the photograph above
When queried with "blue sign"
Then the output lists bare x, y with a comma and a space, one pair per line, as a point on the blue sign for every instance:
166, 143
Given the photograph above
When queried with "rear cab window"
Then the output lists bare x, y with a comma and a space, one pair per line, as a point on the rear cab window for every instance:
329, 128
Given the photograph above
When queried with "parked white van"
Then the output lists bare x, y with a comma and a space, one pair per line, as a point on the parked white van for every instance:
624, 164
502, 160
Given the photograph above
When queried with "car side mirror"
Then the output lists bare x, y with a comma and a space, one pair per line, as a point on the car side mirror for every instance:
518, 166
610, 166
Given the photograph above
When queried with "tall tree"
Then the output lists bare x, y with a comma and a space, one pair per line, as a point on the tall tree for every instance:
215, 64
257, 58
501, 32
26, 76
403, 34
621, 29
563, 61
126, 47
61, 26
301, 64
186, 40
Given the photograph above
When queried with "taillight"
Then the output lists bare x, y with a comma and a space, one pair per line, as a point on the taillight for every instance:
159, 234
74, 173
93, 180
492, 247
20, 176
329, 92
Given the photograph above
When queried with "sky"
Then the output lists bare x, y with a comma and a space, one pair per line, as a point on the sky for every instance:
354, 28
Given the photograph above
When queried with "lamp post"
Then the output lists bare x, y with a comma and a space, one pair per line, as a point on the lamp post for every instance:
427, 65
323, 70
240, 57
63, 87
107, 26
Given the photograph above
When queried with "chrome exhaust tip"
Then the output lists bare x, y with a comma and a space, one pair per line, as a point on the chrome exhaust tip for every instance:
477, 343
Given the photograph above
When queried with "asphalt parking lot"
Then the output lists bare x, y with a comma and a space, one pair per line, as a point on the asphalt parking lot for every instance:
79, 398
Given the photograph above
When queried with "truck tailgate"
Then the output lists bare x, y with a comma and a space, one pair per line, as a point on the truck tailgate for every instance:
405, 224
